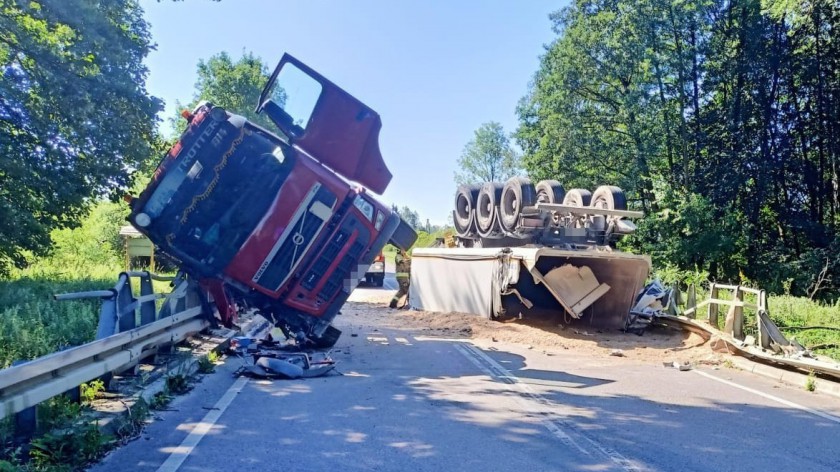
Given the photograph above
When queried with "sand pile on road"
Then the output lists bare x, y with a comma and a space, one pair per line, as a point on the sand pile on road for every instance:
656, 344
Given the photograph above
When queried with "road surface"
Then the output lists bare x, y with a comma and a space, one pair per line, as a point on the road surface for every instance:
411, 403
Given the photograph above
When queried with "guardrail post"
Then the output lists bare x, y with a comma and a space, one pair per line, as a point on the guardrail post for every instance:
147, 308
713, 308
738, 314
26, 421
691, 302
125, 301
763, 335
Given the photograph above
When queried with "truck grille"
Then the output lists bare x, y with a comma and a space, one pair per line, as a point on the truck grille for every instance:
297, 240
348, 263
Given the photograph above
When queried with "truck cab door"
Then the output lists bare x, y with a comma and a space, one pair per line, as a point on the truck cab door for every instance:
325, 122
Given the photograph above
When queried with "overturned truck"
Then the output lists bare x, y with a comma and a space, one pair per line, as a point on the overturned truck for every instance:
269, 219
528, 250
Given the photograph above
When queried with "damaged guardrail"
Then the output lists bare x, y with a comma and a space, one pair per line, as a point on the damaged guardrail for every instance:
768, 345
121, 344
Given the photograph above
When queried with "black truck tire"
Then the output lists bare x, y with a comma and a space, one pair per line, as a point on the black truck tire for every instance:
463, 217
487, 206
550, 191
517, 194
609, 197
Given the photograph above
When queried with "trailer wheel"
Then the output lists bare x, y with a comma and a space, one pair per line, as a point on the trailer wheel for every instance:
550, 191
463, 216
487, 206
517, 194
609, 197
577, 197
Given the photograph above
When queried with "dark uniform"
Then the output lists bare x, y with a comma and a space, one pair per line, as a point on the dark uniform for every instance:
403, 261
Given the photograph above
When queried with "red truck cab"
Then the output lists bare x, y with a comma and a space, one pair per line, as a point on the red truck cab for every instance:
274, 215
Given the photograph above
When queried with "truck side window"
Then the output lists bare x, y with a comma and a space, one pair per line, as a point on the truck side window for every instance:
364, 206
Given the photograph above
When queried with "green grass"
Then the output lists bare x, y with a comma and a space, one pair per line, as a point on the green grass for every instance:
789, 311
32, 324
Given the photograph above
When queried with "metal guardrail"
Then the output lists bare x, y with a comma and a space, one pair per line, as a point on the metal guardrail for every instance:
121, 343
734, 319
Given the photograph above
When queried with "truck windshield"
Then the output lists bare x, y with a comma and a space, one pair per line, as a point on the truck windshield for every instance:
207, 208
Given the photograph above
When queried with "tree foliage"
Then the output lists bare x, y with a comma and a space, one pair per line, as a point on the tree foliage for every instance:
488, 157
719, 118
75, 118
233, 85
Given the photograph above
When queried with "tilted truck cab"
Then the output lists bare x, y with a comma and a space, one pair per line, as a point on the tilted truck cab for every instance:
272, 218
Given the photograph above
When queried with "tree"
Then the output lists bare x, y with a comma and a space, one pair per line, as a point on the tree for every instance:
235, 86
718, 118
75, 118
488, 157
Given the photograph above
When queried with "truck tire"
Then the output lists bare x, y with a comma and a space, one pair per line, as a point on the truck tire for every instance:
328, 339
463, 216
577, 197
486, 208
517, 194
550, 191
609, 197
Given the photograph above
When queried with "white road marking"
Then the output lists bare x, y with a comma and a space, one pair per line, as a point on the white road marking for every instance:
552, 425
174, 461
771, 397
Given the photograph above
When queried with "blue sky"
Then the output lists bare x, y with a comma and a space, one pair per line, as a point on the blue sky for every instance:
434, 70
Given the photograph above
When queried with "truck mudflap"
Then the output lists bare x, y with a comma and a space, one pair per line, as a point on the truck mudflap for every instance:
595, 287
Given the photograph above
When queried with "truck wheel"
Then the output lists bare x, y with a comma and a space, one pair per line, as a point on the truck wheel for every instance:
487, 206
328, 339
609, 197
464, 214
577, 197
550, 191
517, 194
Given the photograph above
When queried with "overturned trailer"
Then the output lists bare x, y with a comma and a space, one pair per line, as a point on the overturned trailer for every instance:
534, 251
591, 287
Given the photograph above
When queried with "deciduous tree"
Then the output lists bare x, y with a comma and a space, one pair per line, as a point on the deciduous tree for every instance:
75, 117
488, 157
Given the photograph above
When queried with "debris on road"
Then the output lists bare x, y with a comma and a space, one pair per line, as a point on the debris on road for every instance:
270, 359
617, 353
682, 367
653, 301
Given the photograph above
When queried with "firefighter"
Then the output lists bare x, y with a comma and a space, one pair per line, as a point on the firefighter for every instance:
403, 261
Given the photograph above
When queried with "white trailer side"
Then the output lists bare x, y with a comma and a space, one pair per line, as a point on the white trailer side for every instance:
595, 287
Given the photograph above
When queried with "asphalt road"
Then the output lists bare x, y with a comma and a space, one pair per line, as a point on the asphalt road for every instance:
405, 402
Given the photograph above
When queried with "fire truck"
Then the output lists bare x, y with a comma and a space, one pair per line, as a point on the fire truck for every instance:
284, 219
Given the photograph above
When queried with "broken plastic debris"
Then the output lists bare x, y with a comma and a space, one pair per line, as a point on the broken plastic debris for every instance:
676, 365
